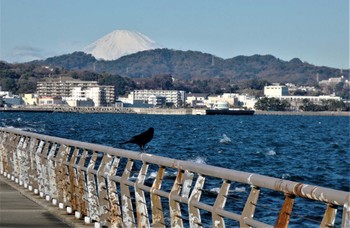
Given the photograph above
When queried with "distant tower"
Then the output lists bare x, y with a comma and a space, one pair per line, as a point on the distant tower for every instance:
94, 67
317, 78
127, 70
212, 61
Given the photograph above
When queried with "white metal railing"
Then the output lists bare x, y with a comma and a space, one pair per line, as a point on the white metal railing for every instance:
108, 186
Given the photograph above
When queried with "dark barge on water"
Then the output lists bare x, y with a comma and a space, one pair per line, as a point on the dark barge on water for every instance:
229, 112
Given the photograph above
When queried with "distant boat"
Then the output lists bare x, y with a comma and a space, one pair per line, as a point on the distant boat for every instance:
222, 108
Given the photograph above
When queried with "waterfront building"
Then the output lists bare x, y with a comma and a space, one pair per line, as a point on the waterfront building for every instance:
295, 101
196, 100
5, 93
276, 91
215, 99
156, 101
8, 99
175, 97
49, 101
30, 99
107, 95
64, 89
246, 101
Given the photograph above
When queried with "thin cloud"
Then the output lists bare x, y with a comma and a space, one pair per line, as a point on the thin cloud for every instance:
22, 54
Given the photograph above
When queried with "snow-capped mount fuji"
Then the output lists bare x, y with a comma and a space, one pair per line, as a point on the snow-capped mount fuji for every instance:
120, 43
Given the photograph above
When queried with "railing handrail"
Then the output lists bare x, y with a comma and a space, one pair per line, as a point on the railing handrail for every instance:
289, 188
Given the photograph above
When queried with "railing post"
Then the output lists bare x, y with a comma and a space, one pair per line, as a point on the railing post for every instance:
156, 204
73, 186
111, 215
39, 167
127, 209
329, 216
141, 206
22, 156
285, 212
10, 146
220, 202
2, 152
32, 172
7, 153
92, 194
115, 216
187, 184
174, 206
346, 213
26, 161
51, 172
194, 213
62, 174
250, 205
15, 156
81, 188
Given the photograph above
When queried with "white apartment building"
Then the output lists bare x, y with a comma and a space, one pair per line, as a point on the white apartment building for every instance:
196, 100
314, 99
64, 88
81, 95
275, 91
49, 101
156, 101
280, 91
177, 97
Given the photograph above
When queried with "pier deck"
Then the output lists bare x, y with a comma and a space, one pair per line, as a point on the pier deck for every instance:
19, 207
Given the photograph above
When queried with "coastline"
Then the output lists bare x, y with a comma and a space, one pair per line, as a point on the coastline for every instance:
157, 111
290, 113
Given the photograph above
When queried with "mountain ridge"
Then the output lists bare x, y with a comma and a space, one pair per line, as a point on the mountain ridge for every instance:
198, 65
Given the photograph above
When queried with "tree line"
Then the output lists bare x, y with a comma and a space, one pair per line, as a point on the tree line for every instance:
275, 104
23, 78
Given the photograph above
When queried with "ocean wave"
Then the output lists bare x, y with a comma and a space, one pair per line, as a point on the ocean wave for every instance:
198, 160
225, 139
271, 153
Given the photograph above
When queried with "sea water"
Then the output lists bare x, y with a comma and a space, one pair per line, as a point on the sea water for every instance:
309, 149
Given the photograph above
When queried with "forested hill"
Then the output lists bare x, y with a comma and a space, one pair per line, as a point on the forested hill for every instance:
198, 65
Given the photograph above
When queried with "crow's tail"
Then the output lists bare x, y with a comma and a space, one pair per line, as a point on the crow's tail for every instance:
124, 142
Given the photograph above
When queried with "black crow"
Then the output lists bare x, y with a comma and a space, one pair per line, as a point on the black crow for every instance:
141, 139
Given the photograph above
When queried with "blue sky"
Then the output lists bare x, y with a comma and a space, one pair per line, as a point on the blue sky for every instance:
316, 31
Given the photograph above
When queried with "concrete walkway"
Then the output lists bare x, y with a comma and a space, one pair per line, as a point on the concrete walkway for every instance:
16, 210
21, 208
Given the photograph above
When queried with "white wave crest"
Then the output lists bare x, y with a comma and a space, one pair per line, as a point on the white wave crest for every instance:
215, 190
285, 175
238, 189
198, 160
225, 139
271, 153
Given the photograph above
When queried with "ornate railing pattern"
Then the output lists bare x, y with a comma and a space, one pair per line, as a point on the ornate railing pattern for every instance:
108, 186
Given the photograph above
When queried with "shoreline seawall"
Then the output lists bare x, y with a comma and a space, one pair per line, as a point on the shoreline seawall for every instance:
157, 111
